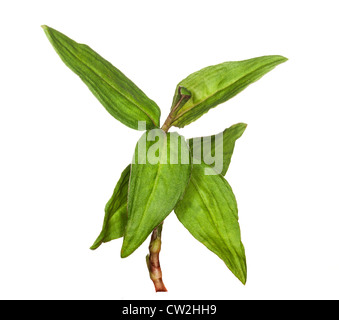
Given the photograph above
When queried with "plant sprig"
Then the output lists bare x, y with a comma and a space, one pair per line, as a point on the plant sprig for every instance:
168, 172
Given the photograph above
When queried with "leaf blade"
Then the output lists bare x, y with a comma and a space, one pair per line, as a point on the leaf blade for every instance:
118, 94
209, 212
154, 189
204, 147
115, 212
216, 84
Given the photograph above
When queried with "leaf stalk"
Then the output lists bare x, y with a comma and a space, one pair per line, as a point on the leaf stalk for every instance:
168, 122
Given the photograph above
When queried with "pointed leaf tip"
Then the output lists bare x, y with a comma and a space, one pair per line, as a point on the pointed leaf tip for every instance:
156, 184
209, 212
115, 212
220, 145
118, 94
216, 84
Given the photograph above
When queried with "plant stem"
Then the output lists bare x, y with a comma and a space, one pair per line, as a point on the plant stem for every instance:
152, 260
168, 122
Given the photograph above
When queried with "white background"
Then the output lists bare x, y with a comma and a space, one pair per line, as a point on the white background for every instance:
61, 153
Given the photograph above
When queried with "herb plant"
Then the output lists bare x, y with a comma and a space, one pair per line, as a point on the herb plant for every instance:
168, 172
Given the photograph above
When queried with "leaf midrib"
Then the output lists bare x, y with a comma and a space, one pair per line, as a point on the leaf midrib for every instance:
206, 206
154, 186
231, 248
109, 84
216, 92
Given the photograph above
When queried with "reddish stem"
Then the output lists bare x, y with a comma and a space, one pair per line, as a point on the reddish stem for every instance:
153, 262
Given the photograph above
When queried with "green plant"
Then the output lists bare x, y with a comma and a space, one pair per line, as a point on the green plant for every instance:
167, 172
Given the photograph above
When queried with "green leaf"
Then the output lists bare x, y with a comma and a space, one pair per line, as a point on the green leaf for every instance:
159, 175
209, 212
119, 95
217, 149
216, 84
115, 212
